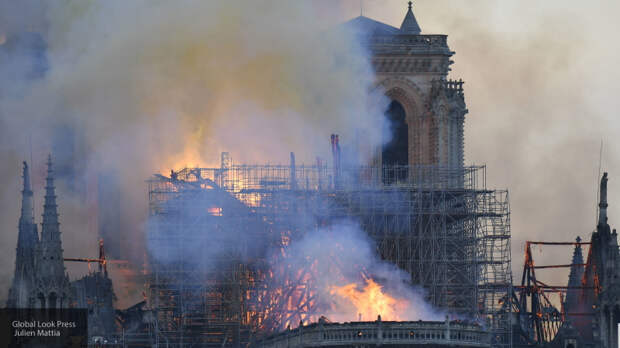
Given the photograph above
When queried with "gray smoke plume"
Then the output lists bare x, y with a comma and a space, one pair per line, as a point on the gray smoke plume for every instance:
332, 271
142, 82
118, 91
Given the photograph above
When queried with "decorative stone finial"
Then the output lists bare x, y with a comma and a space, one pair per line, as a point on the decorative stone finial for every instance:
410, 24
26, 176
49, 163
602, 218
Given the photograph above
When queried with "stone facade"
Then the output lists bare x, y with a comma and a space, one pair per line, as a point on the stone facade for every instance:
412, 70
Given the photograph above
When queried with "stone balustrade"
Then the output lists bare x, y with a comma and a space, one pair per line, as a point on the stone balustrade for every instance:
383, 333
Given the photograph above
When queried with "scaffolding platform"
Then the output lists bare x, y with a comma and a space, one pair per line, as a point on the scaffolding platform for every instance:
440, 225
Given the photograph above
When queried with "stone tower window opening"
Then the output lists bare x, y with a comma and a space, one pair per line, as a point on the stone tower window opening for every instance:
395, 150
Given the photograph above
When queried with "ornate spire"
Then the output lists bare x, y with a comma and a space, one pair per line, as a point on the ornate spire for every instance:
52, 281
27, 195
410, 24
576, 270
571, 304
28, 236
27, 240
27, 216
602, 215
50, 230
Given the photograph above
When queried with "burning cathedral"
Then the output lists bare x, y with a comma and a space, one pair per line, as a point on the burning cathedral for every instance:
226, 268
409, 248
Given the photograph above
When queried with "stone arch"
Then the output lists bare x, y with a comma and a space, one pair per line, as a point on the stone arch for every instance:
404, 91
408, 94
404, 98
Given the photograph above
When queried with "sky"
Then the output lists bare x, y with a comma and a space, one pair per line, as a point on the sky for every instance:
540, 89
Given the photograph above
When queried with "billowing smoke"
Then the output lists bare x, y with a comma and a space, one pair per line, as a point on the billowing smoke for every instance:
300, 272
119, 90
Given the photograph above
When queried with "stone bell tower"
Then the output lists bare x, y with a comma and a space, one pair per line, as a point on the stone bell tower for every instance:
427, 110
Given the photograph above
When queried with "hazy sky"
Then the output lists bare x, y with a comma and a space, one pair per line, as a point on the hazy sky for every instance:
541, 80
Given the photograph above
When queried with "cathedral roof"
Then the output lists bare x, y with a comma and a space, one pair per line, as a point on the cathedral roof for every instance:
370, 27
367, 27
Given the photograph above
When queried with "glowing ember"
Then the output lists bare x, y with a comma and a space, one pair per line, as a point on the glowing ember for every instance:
215, 211
372, 301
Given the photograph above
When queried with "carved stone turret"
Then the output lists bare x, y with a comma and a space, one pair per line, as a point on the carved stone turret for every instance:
572, 302
53, 287
410, 24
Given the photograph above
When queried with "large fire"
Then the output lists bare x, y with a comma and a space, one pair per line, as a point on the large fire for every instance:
371, 300
300, 300
189, 158
334, 273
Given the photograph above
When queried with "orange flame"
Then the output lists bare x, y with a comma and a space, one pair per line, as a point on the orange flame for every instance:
372, 301
189, 158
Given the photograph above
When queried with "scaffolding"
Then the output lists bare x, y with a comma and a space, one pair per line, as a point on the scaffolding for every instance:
441, 225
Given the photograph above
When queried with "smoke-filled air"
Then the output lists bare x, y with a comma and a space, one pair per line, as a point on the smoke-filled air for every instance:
240, 171
132, 89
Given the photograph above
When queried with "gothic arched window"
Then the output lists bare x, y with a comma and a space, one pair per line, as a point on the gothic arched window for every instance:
396, 143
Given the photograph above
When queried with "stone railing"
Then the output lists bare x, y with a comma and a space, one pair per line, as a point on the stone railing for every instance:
388, 333
451, 87
436, 44
413, 40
